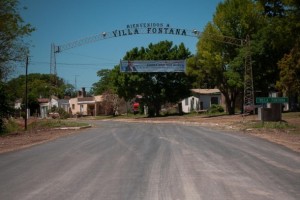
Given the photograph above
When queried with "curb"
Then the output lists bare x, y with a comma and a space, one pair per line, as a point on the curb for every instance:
73, 128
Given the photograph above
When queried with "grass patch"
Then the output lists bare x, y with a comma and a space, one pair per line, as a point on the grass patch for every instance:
293, 118
55, 123
272, 125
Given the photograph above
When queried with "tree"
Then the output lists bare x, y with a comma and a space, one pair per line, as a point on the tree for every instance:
273, 40
12, 31
5, 108
156, 88
279, 41
69, 90
110, 103
39, 85
289, 82
105, 82
12, 49
220, 64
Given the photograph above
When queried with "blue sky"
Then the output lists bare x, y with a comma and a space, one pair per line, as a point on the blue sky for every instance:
64, 21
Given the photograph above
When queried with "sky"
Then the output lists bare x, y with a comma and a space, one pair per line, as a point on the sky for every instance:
64, 21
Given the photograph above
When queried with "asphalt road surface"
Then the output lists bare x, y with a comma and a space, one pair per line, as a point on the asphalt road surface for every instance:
144, 161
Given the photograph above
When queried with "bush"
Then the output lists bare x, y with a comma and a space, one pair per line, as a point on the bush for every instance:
215, 109
59, 113
63, 114
10, 126
5, 108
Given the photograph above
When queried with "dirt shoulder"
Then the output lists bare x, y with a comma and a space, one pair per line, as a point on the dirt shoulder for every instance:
286, 137
21, 140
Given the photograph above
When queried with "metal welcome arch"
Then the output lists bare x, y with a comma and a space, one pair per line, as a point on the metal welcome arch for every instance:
159, 29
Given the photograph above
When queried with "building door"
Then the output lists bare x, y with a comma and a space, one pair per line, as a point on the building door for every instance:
81, 109
91, 110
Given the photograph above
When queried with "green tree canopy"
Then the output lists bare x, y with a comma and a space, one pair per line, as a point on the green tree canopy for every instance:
277, 47
105, 83
12, 48
273, 40
12, 31
289, 65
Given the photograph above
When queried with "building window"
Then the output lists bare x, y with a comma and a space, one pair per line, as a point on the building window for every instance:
73, 106
214, 100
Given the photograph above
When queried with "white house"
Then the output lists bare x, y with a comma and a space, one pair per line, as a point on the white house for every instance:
46, 105
201, 99
59, 103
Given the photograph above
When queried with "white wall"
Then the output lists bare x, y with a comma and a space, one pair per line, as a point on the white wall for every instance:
53, 102
187, 106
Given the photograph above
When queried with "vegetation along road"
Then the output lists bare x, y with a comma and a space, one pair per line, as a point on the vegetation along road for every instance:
148, 161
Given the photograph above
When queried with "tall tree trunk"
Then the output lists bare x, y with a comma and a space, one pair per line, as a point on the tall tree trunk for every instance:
230, 102
157, 109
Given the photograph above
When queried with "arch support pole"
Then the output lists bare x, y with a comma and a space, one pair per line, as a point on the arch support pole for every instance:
248, 81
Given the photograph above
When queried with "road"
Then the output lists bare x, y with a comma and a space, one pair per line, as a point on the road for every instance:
146, 161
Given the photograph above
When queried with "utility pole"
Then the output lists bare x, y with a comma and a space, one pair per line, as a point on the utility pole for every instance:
53, 59
26, 93
76, 82
248, 81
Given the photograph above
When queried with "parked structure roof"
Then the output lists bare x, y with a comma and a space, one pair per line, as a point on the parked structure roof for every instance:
206, 91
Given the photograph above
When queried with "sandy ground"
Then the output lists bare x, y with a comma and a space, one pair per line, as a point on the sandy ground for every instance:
238, 123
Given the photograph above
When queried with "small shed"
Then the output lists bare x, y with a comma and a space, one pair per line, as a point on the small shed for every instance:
201, 99
44, 107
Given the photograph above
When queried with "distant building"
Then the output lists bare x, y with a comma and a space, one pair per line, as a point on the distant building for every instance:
64, 104
46, 104
201, 99
44, 107
18, 104
83, 105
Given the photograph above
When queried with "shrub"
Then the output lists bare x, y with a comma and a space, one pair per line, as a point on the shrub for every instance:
10, 126
215, 109
62, 114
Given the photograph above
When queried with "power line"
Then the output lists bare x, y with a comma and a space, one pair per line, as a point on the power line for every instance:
87, 56
65, 63
86, 64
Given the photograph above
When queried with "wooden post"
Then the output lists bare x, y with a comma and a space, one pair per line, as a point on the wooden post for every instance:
26, 93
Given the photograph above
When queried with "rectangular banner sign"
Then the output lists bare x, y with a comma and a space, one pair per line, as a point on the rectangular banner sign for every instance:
145, 66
